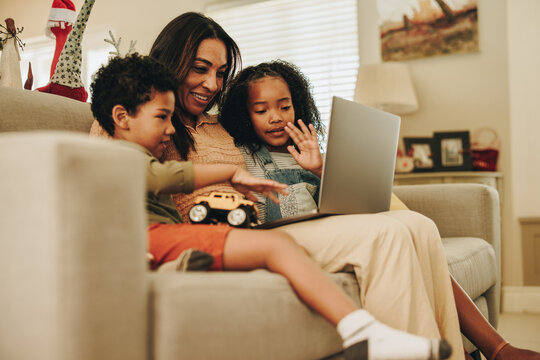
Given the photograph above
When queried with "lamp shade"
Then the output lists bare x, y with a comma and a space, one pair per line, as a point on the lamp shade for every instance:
386, 86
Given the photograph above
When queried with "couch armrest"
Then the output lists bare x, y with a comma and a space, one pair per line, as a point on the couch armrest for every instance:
72, 246
458, 209
461, 210
24, 110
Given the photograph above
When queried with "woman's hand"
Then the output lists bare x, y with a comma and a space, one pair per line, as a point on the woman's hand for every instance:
309, 157
245, 183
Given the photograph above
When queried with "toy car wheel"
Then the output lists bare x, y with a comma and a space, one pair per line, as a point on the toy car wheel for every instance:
198, 213
238, 217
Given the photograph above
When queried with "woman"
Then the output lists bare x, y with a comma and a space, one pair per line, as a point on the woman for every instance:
378, 248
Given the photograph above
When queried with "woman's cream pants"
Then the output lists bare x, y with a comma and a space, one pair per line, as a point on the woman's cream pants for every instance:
400, 266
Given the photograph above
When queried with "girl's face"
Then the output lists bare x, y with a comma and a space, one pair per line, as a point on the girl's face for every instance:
205, 78
270, 109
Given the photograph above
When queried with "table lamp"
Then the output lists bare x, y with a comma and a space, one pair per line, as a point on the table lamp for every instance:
386, 86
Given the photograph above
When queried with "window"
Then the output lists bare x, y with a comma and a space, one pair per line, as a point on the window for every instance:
40, 51
319, 36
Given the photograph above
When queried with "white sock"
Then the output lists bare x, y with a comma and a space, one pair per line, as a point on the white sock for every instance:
383, 341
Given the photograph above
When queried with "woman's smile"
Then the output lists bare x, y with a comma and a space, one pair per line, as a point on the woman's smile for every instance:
205, 99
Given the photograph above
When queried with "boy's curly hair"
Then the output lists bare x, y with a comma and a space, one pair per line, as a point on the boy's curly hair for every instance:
128, 81
234, 115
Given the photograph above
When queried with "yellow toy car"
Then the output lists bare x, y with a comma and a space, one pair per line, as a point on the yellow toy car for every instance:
219, 206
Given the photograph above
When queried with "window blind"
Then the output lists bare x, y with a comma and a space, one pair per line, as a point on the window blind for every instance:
319, 36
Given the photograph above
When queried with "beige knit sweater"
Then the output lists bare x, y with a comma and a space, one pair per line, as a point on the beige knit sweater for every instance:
213, 145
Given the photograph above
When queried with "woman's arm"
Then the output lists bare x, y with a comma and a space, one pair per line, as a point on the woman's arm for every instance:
309, 157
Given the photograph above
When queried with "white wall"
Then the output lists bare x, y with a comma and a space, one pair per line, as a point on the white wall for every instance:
524, 85
496, 87
524, 61
468, 91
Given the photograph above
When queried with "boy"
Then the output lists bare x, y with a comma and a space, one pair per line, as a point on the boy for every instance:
133, 99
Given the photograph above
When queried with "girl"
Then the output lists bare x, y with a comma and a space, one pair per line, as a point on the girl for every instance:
277, 95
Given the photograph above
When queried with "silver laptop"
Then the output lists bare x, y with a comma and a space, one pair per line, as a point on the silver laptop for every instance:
358, 170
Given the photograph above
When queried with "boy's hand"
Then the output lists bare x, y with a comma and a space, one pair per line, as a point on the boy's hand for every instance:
245, 183
309, 157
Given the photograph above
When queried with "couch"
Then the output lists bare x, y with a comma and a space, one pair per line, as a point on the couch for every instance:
73, 279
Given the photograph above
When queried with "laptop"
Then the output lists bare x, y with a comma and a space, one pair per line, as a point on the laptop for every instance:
358, 170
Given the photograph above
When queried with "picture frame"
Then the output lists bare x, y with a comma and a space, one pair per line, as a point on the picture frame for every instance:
452, 151
413, 29
421, 149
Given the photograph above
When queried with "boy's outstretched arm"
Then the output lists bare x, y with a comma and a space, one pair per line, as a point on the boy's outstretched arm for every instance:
241, 180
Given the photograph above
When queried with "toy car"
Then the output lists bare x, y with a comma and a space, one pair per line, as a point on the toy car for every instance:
219, 206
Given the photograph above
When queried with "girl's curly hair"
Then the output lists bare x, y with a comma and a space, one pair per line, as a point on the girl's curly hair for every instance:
233, 111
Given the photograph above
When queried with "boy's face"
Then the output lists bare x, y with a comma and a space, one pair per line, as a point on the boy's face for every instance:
270, 109
151, 126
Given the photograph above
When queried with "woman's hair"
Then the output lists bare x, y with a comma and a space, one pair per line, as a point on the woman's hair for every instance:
176, 47
129, 81
234, 115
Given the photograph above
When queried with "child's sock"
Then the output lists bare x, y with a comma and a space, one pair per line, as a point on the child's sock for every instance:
385, 342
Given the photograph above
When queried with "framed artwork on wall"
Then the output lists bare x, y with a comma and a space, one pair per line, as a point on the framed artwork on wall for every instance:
411, 29
421, 149
452, 151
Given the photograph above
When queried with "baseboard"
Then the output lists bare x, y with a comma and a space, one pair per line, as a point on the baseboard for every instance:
519, 299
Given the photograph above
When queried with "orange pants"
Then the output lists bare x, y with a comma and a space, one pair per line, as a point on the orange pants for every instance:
167, 241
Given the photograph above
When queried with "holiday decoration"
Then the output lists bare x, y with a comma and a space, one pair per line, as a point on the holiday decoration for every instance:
29, 78
66, 70
116, 45
10, 70
59, 25
404, 163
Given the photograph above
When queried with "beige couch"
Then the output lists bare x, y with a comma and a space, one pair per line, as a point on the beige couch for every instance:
73, 282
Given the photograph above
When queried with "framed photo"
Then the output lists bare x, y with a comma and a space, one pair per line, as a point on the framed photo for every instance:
453, 151
421, 150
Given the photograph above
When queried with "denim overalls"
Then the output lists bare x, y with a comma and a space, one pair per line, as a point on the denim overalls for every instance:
303, 188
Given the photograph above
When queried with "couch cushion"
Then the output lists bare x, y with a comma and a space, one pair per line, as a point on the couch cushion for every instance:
24, 110
472, 262
199, 316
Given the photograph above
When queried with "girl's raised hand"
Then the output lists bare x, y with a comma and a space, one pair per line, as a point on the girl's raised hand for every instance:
309, 157
245, 183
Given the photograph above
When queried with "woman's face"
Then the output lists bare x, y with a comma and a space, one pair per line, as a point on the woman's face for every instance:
205, 78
